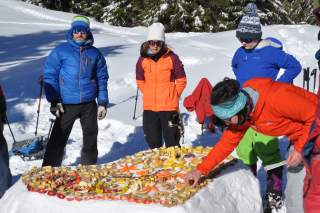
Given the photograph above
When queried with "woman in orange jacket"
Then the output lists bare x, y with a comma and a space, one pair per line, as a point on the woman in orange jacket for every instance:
271, 108
161, 78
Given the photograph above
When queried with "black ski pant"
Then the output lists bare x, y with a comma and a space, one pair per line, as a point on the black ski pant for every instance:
87, 112
5, 174
161, 124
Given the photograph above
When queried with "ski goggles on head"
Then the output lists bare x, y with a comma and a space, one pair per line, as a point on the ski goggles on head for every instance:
155, 43
246, 40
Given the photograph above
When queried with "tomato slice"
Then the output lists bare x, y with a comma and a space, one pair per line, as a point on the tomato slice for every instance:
78, 198
42, 191
98, 197
139, 200
51, 193
164, 202
70, 198
61, 196
131, 199
123, 197
147, 201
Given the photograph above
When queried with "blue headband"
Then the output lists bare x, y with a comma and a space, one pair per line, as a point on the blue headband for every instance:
230, 108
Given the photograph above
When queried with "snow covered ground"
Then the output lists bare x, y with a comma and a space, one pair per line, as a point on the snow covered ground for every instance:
29, 33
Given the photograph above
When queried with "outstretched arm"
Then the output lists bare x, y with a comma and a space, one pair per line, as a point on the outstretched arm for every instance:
228, 142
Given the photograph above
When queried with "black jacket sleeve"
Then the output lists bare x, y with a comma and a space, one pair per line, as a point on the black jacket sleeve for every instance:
3, 106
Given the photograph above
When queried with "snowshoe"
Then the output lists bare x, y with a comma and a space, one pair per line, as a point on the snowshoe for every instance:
33, 148
30, 149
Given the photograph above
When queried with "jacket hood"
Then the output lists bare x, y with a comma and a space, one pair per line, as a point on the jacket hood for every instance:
268, 42
255, 84
88, 43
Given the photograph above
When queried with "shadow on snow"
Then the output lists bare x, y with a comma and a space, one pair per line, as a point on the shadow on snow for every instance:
22, 58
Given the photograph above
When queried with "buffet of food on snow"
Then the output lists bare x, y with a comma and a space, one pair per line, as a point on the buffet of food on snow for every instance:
151, 176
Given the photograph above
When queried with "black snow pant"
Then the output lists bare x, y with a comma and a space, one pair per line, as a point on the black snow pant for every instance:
5, 174
158, 124
87, 112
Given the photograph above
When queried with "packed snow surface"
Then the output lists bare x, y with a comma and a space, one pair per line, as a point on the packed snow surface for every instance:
29, 33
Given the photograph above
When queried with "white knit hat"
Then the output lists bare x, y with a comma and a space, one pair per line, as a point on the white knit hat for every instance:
156, 32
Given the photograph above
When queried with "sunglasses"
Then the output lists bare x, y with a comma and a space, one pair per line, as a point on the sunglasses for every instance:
155, 43
82, 32
246, 40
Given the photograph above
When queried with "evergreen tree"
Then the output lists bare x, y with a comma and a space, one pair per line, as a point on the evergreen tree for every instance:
185, 15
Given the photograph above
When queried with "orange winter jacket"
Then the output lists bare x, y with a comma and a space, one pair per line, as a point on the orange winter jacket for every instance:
161, 81
281, 109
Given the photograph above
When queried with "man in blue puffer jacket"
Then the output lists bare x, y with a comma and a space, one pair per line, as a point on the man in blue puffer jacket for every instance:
262, 58
75, 75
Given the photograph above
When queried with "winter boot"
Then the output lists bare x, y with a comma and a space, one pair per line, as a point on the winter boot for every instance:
273, 198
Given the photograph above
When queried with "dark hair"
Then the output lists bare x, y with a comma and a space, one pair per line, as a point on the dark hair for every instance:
224, 90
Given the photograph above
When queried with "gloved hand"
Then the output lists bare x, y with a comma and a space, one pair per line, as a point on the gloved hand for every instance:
57, 109
102, 112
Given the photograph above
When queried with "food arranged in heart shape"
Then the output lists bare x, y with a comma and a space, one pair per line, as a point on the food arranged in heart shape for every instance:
151, 176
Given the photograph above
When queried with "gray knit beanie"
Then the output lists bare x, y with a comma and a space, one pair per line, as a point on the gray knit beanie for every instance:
249, 26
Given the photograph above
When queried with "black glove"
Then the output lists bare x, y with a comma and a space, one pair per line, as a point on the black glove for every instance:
57, 109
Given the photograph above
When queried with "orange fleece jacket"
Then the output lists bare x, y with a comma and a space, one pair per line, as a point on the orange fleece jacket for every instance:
161, 82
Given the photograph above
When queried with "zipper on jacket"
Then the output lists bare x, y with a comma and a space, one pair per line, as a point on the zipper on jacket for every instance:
155, 88
80, 55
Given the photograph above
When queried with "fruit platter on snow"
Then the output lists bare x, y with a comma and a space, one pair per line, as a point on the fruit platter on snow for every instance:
151, 176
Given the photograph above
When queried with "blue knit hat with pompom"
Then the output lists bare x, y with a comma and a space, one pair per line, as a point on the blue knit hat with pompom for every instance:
249, 26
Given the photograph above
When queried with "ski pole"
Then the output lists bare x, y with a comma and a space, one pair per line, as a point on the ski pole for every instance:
135, 104
7, 121
202, 129
50, 129
304, 78
38, 110
181, 127
314, 74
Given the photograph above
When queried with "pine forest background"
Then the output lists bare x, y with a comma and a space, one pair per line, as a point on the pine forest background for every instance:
185, 15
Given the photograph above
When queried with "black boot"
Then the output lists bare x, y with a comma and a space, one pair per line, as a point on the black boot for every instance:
273, 198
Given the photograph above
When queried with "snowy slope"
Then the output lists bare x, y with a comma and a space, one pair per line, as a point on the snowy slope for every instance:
28, 35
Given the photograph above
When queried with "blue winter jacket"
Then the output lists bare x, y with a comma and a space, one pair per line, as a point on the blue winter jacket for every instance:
265, 61
75, 74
